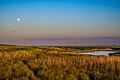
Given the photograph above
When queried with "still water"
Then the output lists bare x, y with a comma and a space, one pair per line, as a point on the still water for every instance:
63, 41
98, 52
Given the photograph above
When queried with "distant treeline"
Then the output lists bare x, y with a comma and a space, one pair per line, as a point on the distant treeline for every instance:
7, 45
91, 47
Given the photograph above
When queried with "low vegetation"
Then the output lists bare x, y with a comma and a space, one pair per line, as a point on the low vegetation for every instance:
56, 63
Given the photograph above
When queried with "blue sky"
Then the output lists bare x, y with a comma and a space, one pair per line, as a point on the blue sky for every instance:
59, 18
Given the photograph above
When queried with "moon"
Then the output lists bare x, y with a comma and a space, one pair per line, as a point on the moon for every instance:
18, 19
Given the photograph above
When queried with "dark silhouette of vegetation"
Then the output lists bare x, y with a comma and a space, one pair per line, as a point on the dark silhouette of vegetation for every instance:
114, 54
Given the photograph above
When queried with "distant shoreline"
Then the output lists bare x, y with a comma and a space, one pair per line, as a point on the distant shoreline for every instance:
59, 44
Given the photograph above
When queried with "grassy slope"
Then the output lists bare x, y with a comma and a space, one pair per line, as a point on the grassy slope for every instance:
56, 63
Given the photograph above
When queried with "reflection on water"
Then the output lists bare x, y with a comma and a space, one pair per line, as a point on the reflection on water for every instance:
98, 52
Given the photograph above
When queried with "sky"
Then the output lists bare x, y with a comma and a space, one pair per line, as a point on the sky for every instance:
59, 19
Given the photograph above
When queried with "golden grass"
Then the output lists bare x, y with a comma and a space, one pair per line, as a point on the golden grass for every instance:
55, 63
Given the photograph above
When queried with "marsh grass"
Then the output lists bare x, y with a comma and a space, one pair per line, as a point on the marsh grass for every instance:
55, 63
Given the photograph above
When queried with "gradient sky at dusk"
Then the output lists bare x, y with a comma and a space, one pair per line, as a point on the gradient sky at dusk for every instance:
59, 19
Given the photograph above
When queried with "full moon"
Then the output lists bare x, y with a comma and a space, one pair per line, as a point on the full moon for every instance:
18, 19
